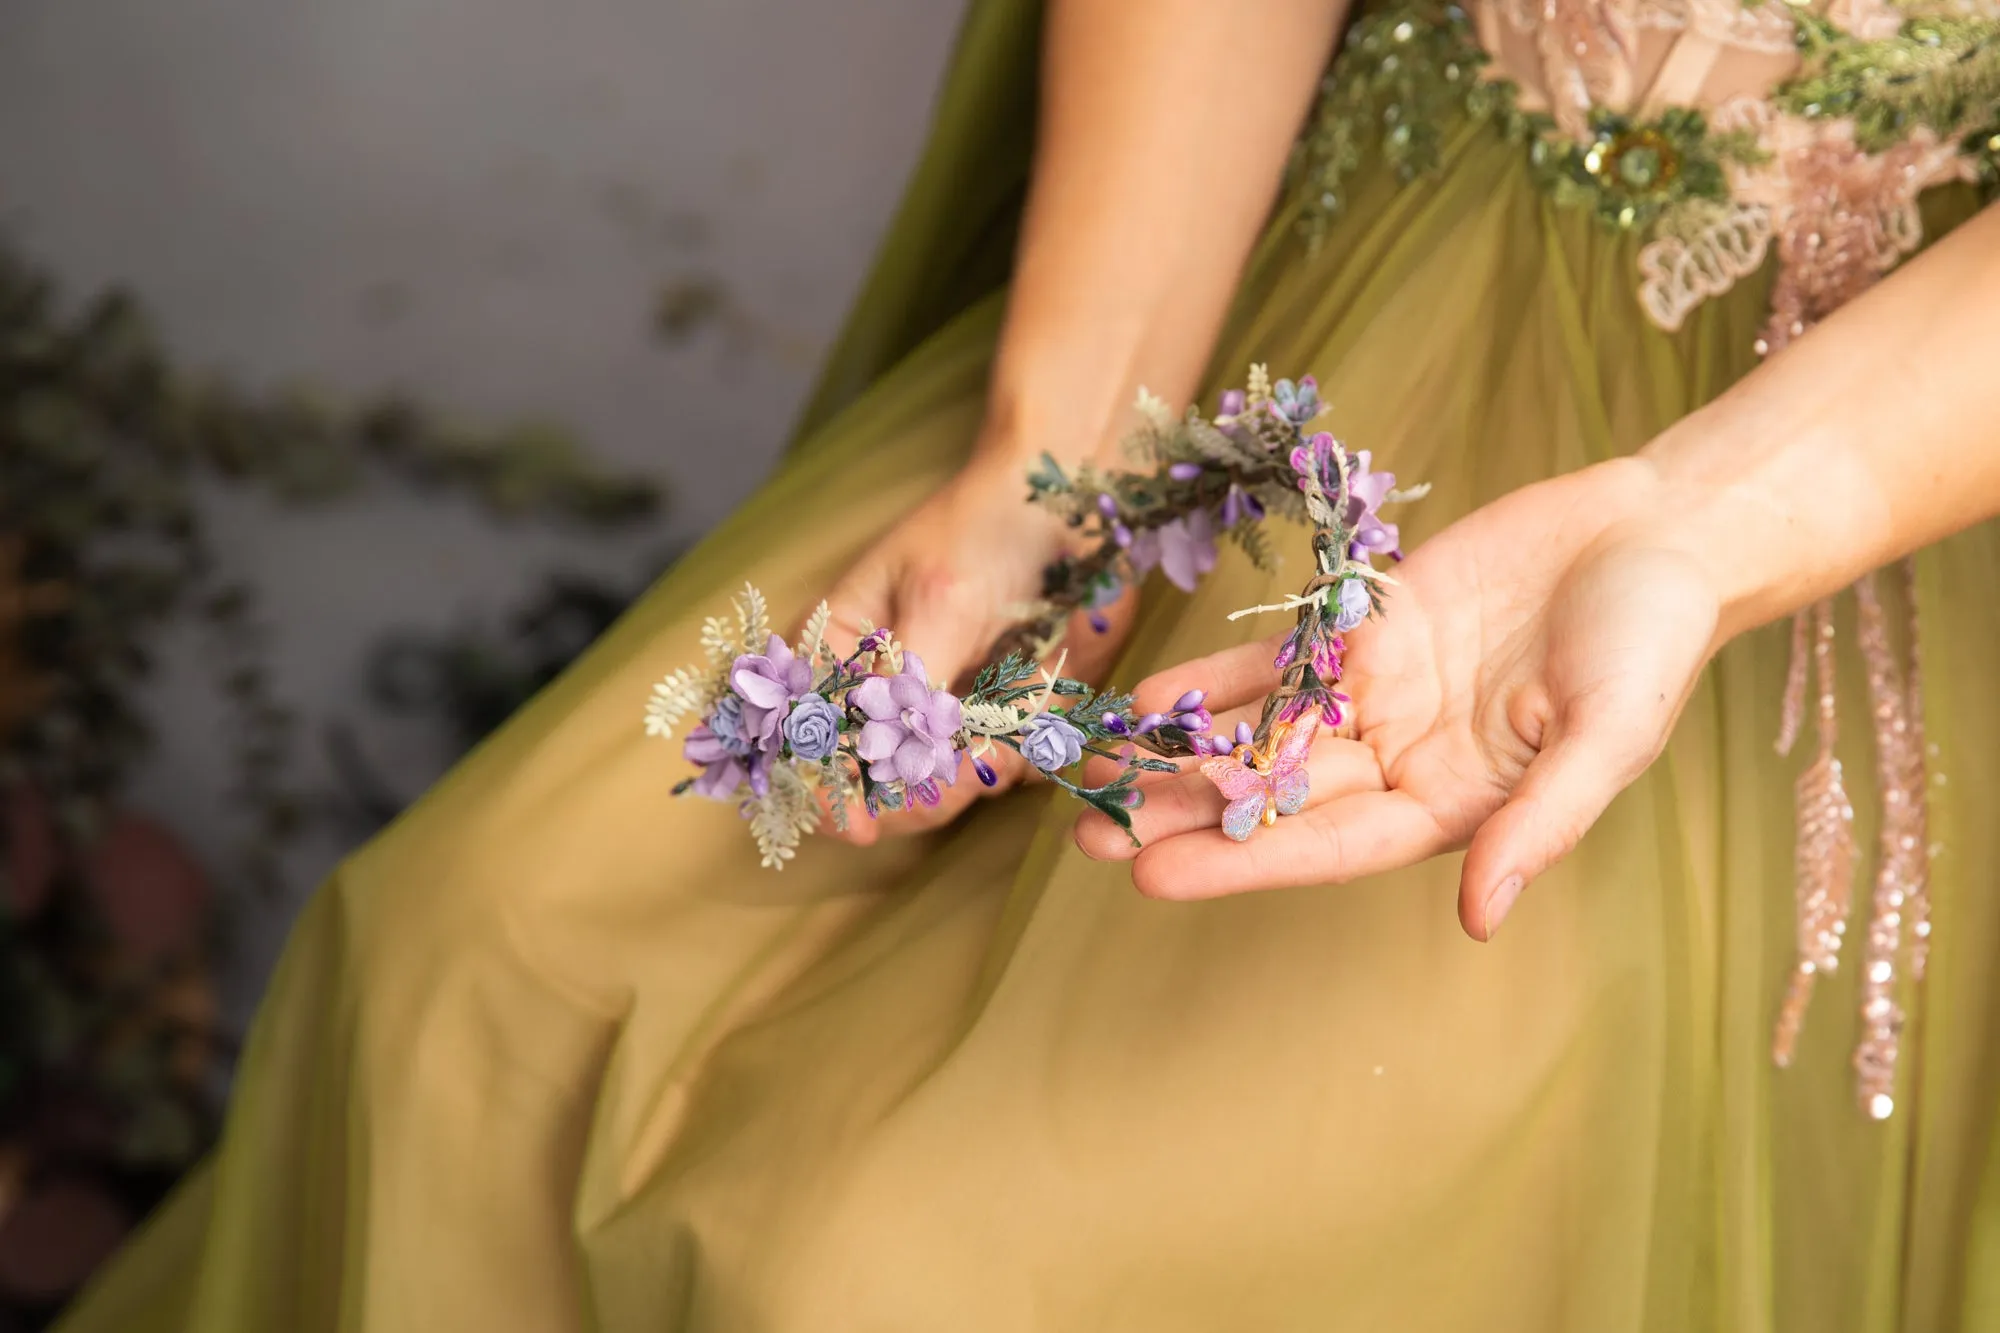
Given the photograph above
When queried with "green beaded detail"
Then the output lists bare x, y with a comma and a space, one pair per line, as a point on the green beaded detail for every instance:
1404, 74
1940, 73
1631, 173
1411, 69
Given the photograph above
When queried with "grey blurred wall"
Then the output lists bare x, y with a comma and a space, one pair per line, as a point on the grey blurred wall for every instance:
478, 201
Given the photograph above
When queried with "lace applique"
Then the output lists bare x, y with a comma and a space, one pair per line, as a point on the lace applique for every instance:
1701, 251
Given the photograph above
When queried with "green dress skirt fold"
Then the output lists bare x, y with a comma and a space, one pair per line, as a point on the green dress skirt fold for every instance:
552, 1053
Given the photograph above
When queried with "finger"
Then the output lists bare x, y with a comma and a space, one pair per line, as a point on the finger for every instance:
1346, 839
1190, 803
1562, 793
1230, 678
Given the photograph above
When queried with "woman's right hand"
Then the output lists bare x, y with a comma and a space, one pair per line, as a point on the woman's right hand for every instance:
1533, 660
948, 580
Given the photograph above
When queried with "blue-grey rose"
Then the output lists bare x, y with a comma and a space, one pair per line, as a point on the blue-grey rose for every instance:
813, 727
726, 721
1049, 742
1351, 605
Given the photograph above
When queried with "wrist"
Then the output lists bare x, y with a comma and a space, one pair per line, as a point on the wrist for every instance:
1776, 517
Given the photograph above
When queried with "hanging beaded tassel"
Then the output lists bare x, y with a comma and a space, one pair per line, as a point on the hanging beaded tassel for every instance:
1902, 868
1825, 848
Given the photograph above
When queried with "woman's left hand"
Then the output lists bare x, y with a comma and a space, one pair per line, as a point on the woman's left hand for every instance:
1531, 663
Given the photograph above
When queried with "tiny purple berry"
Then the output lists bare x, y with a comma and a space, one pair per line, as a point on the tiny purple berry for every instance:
1116, 725
1120, 533
987, 776
1184, 471
1106, 505
1099, 622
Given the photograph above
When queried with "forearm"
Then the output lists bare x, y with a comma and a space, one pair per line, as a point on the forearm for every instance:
1875, 435
1164, 132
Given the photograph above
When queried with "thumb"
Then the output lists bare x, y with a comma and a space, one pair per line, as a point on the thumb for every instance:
1563, 792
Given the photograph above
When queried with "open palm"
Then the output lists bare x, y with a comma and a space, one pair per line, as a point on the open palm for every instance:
1532, 661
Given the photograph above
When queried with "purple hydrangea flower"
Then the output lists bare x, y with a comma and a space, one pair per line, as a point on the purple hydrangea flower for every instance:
768, 683
1239, 505
908, 735
726, 762
1183, 548
1050, 742
1366, 490
1314, 459
1351, 605
813, 728
1296, 403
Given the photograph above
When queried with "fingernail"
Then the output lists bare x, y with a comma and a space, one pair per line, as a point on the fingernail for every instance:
1501, 902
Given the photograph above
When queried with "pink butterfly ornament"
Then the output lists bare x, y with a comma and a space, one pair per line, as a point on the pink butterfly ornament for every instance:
1259, 790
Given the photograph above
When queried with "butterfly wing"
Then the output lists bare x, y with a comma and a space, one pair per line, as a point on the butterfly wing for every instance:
1240, 820
1292, 789
1290, 782
1297, 741
1235, 778
1246, 790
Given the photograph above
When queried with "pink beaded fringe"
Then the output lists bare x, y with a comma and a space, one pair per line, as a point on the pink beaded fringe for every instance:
1825, 849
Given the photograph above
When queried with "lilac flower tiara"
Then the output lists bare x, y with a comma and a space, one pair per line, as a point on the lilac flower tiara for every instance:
778, 723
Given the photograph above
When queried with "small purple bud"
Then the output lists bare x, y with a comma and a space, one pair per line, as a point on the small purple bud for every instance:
1120, 533
987, 776
1195, 720
1244, 736
1115, 724
1150, 722
1106, 505
1190, 701
1099, 622
1232, 403
1184, 471
1134, 798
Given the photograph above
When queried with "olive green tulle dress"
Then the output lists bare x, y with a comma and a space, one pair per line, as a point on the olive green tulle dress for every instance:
552, 1053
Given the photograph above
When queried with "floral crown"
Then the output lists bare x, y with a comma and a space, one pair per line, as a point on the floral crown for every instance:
780, 723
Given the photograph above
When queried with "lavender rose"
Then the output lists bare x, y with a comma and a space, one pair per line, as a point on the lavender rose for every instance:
813, 727
1050, 742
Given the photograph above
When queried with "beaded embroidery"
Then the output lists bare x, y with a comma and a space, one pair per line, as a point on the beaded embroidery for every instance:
1822, 176
1826, 170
